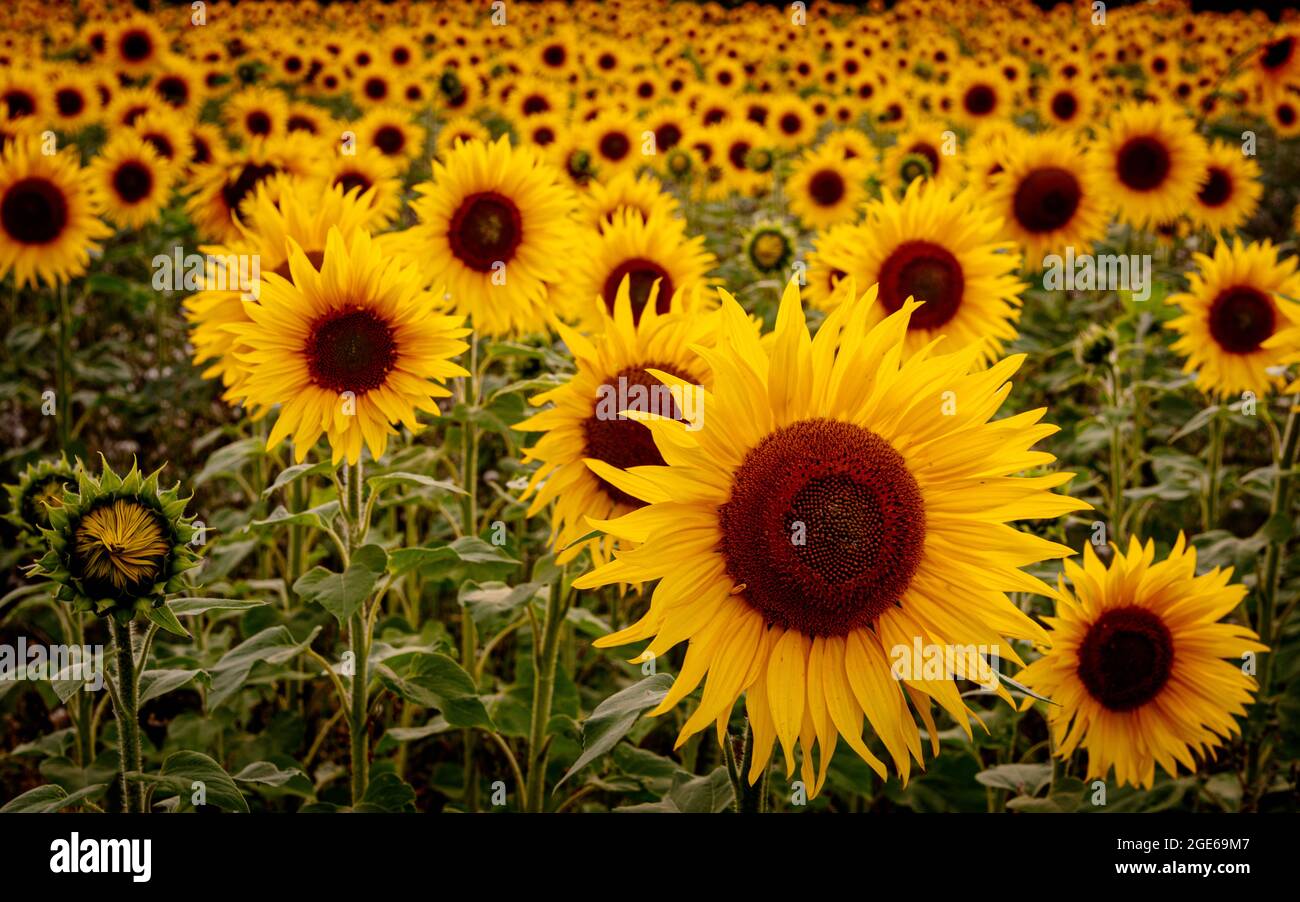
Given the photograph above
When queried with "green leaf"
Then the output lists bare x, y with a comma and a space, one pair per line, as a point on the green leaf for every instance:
164, 616
386, 480
387, 792
273, 645
229, 460
495, 599
342, 594
35, 801
436, 681
183, 769
154, 683
292, 474
319, 517
267, 774
190, 607
614, 717
1022, 779
709, 794
469, 550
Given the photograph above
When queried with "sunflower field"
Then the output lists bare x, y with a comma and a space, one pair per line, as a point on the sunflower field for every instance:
649, 406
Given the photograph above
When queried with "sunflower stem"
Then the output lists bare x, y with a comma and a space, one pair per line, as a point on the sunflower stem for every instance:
64, 405
1214, 465
545, 659
469, 528
353, 498
1266, 585
753, 796
126, 710
1116, 461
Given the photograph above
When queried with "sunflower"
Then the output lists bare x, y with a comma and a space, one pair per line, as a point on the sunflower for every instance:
825, 189
391, 131
136, 45
824, 277
646, 255
73, 102
1136, 669
256, 113
277, 222
1235, 302
979, 97
494, 228
919, 154
1230, 193
118, 545
220, 188
39, 487
461, 128
24, 94
1152, 163
670, 125
168, 135
769, 249
309, 118
1067, 105
790, 122
1048, 198
940, 248
133, 179
372, 176
824, 515
746, 157
584, 431
346, 350
48, 214
603, 201
615, 143
177, 86
540, 131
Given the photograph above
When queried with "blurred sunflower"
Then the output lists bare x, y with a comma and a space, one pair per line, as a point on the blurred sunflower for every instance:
390, 130
1151, 163
1231, 191
1136, 668
134, 181
584, 432
1235, 302
918, 154
601, 203
371, 175
645, 254
940, 248
219, 189
257, 112
48, 207
494, 228
346, 350
825, 189
769, 249
745, 529
39, 488
461, 128
1048, 197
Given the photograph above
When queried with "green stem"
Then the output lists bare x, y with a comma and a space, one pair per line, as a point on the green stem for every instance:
545, 658
1215, 465
753, 797
127, 711
1116, 463
469, 527
358, 639
63, 406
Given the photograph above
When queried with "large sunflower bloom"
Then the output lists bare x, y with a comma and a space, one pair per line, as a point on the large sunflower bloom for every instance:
825, 514
495, 229
1234, 305
346, 350
1136, 669
1151, 162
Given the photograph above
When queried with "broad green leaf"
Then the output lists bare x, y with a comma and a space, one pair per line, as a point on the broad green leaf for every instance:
1022, 779
274, 645
268, 774
342, 594
183, 769
709, 794
35, 801
229, 460
292, 474
190, 607
436, 681
154, 683
387, 792
166, 618
386, 480
319, 517
614, 716
495, 599
469, 550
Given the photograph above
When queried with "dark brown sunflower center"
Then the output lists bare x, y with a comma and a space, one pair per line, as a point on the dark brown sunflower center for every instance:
162, 144
1277, 53
390, 140
298, 123
485, 229
1046, 199
825, 527
1064, 106
622, 442
376, 88
737, 154
1126, 658
258, 123
250, 176
534, 104
132, 182
641, 275
1143, 163
34, 211
826, 188
614, 146
352, 350
927, 272
1218, 188
554, 55
1241, 319
790, 124
136, 46
980, 100
174, 90
353, 180
19, 103
668, 136
69, 101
